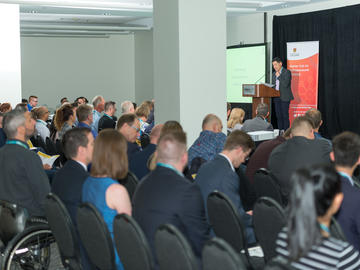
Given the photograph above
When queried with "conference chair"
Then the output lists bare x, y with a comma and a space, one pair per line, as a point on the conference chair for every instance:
268, 218
130, 182
64, 232
265, 185
131, 244
95, 237
227, 224
172, 250
218, 254
278, 263
336, 231
51, 147
144, 140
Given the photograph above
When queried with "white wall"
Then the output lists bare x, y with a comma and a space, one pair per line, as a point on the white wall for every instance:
245, 29
53, 68
10, 70
144, 66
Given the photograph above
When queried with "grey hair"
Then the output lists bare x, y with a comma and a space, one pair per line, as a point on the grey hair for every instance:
125, 106
97, 100
262, 109
12, 120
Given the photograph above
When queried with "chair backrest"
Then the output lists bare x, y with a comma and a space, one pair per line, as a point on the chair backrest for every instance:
336, 231
172, 249
95, 237
144, 140
13, 220
268, 219
131, 244
226, 222
266, 186
50, 146
39, 142
64, 231
130, 183
218, 254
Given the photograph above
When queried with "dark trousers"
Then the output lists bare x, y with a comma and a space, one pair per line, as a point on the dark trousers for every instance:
282, 113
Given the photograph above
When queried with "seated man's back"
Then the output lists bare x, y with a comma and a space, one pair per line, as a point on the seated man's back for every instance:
259, 122
23, 179
165, 196
219, 174
211, 140
299, 151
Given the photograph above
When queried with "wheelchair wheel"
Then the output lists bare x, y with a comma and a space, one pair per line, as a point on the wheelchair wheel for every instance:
34, 249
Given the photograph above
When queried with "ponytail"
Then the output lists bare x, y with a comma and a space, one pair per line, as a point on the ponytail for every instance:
313, 191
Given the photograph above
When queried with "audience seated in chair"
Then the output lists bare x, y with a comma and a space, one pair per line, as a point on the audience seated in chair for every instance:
315, 116
165, 196
138, 162
236, 119
102, 189
306, 241
42, 115
142, 112
297, 152
78, 144
259, 122
259, 159
346, 156
23, 179
129, 126
219, 174
64, 119
211, 140
107, 120
127, 107
86, 118
98, 103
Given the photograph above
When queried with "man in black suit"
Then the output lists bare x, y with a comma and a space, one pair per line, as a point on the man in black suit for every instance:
129, 126
165, 196
346, 156
299, 151
78, 144
281, 77
107, 120
67, 184
138, 163
219, 174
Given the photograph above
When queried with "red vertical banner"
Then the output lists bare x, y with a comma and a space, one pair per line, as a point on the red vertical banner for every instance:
303, 62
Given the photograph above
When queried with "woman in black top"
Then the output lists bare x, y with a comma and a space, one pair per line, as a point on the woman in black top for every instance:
306, 241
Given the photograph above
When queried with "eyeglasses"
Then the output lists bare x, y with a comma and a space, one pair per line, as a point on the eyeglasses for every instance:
137, 129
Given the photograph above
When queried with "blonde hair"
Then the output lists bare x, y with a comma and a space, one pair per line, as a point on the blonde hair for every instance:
236, 117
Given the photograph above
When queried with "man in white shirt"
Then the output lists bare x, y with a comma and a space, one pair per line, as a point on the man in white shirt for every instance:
42, 114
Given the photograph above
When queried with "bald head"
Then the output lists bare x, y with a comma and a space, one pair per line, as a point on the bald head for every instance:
155, 133
302, 126
212, 123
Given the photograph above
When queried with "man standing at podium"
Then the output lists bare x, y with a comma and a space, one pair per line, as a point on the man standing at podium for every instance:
282, 79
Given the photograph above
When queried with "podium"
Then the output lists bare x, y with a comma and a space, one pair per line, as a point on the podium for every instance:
260, 94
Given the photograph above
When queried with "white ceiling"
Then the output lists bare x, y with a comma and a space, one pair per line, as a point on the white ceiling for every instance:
104, 17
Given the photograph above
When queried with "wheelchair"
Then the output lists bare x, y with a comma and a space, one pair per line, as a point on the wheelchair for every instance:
26, 243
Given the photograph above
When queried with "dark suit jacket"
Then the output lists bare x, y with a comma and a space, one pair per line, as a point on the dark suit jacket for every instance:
138, 162
256, 124
285, 84
162, 197
218, 175
106, 122
67, 184
348, 215
293, 154
132, 149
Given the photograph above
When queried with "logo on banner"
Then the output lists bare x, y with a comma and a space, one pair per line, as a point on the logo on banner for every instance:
294, 52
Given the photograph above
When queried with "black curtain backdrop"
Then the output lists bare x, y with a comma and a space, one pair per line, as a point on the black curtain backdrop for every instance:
338, 31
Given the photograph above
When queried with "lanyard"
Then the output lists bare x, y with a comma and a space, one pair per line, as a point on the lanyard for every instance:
18, 143
347, 177
169, 167
108, 116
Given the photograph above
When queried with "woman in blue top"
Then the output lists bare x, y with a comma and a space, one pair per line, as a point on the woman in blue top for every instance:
102, 188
